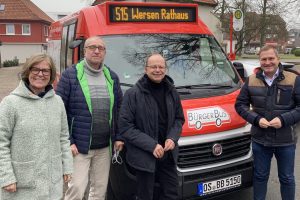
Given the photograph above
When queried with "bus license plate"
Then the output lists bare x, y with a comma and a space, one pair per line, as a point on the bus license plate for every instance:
219, 185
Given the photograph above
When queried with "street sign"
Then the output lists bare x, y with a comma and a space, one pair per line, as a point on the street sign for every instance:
238, 18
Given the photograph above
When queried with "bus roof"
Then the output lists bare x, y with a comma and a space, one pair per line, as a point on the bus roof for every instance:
100, 20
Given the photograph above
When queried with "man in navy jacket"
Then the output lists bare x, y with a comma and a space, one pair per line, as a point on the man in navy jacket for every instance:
274, 95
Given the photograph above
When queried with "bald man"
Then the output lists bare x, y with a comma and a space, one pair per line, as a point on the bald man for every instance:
151, 120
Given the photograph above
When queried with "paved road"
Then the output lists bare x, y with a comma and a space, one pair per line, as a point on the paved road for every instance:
273, 185
9, 80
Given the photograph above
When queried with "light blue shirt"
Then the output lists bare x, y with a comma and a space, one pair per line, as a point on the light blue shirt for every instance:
268, 80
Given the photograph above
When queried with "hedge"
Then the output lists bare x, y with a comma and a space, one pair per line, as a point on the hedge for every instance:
10, 63
297, 52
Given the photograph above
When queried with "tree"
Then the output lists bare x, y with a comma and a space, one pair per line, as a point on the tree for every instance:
261, 18
272, 7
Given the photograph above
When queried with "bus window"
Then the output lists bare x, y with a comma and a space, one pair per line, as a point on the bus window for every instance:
63, 49
66, 58
191, 59
71, 34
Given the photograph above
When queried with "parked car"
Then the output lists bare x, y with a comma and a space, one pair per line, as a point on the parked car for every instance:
250, 51
247, 67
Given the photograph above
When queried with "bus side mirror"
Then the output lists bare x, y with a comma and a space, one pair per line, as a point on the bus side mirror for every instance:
75, 43
240, 69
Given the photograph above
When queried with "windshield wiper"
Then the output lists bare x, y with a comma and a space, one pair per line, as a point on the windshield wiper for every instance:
204, 86
184, 92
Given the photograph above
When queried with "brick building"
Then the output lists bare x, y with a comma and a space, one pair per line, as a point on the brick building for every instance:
23, 29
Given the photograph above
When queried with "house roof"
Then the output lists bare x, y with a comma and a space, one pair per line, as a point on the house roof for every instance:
207, 2
22, 10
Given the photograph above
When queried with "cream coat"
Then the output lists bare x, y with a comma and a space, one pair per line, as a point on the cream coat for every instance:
34, 146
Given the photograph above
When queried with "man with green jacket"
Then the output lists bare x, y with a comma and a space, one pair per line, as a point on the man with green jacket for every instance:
92, 96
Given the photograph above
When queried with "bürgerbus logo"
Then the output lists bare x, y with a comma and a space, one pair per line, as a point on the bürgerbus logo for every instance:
208, 116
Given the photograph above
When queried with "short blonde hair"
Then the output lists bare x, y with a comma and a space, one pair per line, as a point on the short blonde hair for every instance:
35, 59
267, 48
96, 37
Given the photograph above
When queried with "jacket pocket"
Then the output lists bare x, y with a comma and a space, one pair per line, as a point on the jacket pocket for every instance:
285, 135
284, 95
25, 174
56, 168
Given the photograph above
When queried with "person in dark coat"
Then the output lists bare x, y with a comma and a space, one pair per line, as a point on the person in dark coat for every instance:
150, 122
274, 95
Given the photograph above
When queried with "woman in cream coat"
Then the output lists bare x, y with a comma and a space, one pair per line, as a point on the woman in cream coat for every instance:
35, 156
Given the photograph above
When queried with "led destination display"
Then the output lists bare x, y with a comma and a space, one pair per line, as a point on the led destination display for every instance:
120, 13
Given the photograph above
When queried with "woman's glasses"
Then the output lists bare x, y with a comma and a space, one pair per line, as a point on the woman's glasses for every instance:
36, 71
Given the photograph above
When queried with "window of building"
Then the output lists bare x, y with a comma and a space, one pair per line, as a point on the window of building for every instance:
26, 29
60, 16
10, 29
268, 36
2, 7
46, 30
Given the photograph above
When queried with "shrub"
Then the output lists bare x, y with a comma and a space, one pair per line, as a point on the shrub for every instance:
297, 52
10, 63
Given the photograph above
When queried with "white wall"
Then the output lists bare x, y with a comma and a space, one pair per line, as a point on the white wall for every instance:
55, 15
226, 46
21, 51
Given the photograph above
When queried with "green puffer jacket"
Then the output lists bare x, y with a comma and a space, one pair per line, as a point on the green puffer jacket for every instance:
34, 147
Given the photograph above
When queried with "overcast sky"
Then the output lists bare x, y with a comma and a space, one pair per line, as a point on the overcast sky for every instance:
293, 19
60, 5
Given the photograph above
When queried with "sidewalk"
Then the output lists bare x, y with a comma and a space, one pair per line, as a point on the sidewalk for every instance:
8, 80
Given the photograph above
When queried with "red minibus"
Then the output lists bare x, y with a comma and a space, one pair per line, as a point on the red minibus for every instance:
215, 155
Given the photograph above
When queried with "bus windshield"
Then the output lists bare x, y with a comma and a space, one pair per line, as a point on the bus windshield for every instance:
191, 59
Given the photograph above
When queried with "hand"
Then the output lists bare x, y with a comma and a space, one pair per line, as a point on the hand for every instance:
158, 151
169, 145
67, 178
276, 123
11, 188
74, 150
118, 146
263, 123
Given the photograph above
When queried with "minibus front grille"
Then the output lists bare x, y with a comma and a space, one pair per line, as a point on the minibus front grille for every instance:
201, 154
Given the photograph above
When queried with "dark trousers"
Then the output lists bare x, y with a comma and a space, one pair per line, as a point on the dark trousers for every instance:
285, 157
165, 174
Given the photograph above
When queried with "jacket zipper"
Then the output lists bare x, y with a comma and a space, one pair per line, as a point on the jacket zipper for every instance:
71, 129
278, 96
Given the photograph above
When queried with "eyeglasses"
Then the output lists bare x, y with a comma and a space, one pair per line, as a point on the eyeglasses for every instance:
36, 71
94, 47
156, 67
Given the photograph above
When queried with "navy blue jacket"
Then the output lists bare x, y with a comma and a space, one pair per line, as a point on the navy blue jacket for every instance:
281, 99
138, 124
79, 116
